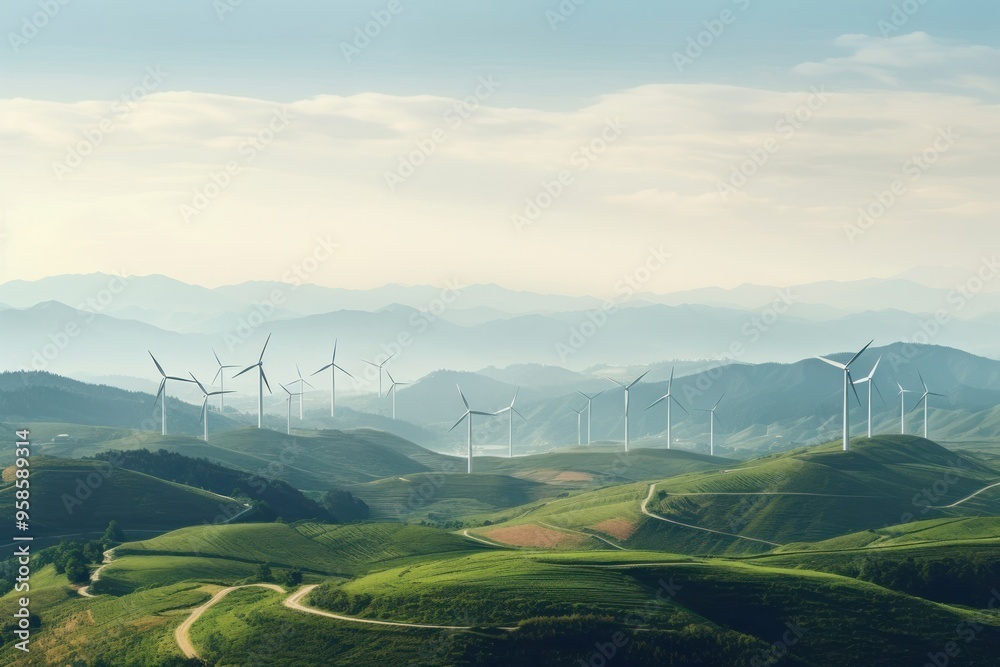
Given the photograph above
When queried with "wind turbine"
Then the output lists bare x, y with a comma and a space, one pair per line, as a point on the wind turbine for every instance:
204, 404
590, 410
302, 391
579, 425
288, 429
379, 367
870, 381
161, 393
711, 424
847, 383
669, 398
261, 381
333, 368
626, 388
221, 375
468, 413
902, 408
511, 411
926, 401
392, 390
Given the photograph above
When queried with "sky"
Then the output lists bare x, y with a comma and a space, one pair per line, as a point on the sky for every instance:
545, 146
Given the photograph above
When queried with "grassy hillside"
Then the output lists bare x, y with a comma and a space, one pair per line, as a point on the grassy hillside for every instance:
804, 495
70, 497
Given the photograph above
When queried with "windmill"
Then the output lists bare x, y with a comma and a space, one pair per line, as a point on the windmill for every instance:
925, 399
711, 424
579, 425
590, 411
261, 381
206, 394
870, 381
902, 407
379, 367
511, 411
221, 376
303, 383
469, 412
333, 368
847, 384
627, 388
669, 398
392, 390
288, 400
161, 393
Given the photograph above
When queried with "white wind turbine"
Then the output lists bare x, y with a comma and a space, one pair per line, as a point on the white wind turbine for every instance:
302, 382
902, 407
221, 376
333, 368
261, 381
468, 414
379, 367
392, 390
579, 425
288, 400
925, 399
847, 384
627, 388
511, 411
711, 424
161, 393
669, 398
870, 381
204, 404
590, 411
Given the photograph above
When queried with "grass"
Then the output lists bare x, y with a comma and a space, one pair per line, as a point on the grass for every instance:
70, 496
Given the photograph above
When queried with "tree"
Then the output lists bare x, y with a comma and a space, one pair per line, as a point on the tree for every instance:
113, 534
76, 571
264, 572
293, 578
345, 506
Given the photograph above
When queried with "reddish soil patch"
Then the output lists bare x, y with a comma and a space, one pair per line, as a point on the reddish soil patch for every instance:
620, 529
530, 535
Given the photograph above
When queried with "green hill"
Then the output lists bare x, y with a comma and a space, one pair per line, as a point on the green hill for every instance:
74, 497
804, 495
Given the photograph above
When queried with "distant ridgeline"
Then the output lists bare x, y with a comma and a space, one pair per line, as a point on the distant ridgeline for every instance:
272, 498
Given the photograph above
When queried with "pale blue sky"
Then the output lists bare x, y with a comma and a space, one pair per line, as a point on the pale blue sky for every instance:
661, 183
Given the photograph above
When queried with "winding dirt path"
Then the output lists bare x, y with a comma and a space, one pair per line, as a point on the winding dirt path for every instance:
109, 556
645, 510
182, 633
956, 504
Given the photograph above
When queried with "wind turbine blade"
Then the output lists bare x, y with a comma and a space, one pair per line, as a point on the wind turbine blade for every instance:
322, 369
200, 385
615, 381
636, 381
856, 396
172, 377
514, 400
201, 419
679, 405
719, 401
390, 377
467, 413
158, 366
670, 382
159, 392
463, 398
875, 368
833, 363
285, 388
520, 415
264, 378
879, 392
219, 393
855, 357
938, 395
658, 401
922, 400
217, 374
371, 363
333, 357
264, 349
388, 358
248, 368
343, 371
217, 360
922, 381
